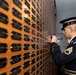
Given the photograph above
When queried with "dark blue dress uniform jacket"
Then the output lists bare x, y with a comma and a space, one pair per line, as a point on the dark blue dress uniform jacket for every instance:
68, 57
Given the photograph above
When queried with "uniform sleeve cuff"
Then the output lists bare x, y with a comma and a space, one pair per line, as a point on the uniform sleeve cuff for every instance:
53, 43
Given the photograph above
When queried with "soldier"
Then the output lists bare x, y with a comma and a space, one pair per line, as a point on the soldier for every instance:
68, 58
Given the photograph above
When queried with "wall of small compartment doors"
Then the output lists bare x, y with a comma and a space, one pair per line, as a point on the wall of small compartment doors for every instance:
22, 39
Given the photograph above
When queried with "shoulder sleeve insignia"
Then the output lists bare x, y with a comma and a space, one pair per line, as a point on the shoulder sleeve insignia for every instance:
68, 51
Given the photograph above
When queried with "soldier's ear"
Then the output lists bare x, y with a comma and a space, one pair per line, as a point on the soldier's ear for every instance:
71, 28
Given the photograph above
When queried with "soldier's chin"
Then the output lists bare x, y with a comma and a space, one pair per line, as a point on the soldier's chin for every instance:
66, 37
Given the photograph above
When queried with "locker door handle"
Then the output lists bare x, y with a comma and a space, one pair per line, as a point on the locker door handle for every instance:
38, 40
33, 25
37, 46
38, 34
17, 3
37, 59
37, 28
37, 53
40, 62
26, 29
41, 35
41, 51
32, 54
33, 69
3, 18
26, 55
16, 13
26, 64
3, 47
37, 16
40, 30
33, 61
27, 4
33, 46
33, 11
37, 65
33, 32
41, 57
3, 33
16, 47
37, 22
27, 12
33, 39
15, 59
33, 18
41, 68
37, 71
3, 62
33, 4
27, 72
26, 46
16, 24
37, 11
4, 5
15, 70
16, 35
26, 38
26, 20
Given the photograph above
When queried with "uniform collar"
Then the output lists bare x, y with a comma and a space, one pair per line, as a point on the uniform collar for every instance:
72, 39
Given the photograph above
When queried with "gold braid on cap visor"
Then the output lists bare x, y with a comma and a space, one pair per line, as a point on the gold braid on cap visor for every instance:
69, 23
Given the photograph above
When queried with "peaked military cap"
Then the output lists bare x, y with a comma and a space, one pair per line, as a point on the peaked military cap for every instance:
68, 21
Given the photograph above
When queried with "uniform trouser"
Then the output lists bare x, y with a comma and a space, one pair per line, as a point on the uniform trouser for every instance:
68, 74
